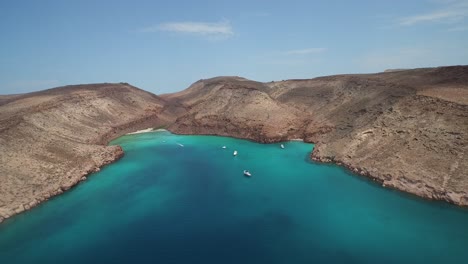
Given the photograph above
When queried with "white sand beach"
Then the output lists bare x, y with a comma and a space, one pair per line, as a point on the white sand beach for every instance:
141, 131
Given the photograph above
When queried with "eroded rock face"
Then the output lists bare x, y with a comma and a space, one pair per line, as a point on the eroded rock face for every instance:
51, 140
406, 129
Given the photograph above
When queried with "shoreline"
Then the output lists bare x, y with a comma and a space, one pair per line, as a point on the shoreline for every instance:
147, 130
141, 131
428, 193
118, 154
88, 170
403, 132
402, 184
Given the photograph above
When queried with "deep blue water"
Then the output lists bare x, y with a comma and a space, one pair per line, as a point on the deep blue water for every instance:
163, 203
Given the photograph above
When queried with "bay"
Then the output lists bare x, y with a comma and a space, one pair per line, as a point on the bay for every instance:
184, 199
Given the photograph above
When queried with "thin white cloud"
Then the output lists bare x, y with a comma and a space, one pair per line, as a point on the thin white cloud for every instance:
305, 51
221, 29
439, 16
451, 12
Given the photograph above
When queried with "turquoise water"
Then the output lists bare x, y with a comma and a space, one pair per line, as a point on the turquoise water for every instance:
163, 203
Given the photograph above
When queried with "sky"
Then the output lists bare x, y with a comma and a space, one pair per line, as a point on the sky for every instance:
164, 46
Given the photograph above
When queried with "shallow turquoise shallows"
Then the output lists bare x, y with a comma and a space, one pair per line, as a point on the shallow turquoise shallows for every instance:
184, 199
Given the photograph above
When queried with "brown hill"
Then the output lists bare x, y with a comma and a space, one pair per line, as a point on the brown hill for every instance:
237, 107
52, 139
407, 129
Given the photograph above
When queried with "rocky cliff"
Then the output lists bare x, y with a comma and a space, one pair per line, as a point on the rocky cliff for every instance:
51, 140
406, 129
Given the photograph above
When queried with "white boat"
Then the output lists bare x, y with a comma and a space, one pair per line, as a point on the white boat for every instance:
224, 147
235, 153
180, 144
282, 146
247, 173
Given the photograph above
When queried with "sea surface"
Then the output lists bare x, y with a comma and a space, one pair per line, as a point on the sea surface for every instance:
184, 199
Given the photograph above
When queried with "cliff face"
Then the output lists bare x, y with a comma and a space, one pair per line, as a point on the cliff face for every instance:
406, 129
50, 140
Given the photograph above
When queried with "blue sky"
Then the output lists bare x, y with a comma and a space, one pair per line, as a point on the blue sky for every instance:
164, 46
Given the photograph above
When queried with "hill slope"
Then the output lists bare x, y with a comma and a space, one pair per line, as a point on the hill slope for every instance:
237, 107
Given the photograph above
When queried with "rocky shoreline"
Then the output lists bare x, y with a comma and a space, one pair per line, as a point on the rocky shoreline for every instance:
401, 183
386, 181
406, 130
78, 178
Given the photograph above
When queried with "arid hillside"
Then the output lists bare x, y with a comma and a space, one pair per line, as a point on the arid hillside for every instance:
406, 129
233, 106
52, 139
